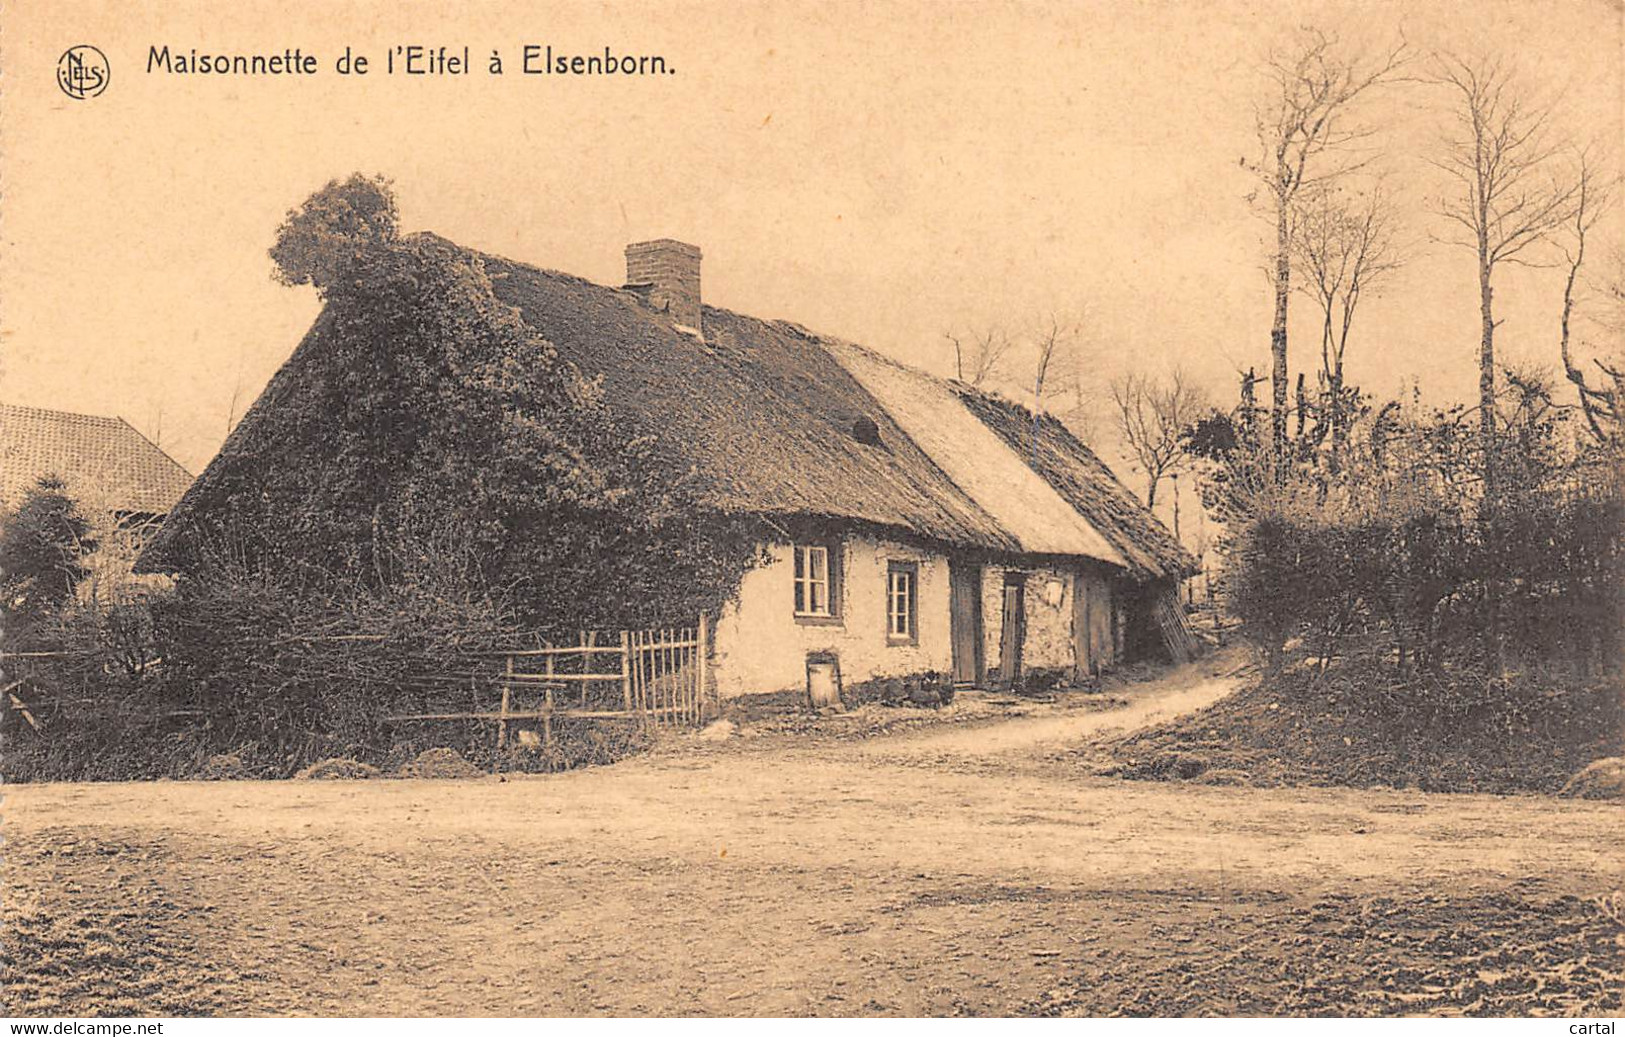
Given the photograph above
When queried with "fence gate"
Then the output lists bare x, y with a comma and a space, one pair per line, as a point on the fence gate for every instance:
657, 677
666, 675
1176, 628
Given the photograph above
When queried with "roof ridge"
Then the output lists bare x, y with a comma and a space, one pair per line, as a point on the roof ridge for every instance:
782, 323
55, 412
960, 389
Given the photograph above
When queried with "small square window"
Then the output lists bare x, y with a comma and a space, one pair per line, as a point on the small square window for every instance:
902, 583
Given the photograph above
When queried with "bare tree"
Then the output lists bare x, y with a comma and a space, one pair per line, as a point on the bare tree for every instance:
978, 354
1152, 416
1052, 342
1345, 247
1306, 140
1071, 395
1600, 403
1055, 344
1505, 198
1047, 363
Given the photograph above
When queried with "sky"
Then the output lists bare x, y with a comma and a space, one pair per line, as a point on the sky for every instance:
880, 171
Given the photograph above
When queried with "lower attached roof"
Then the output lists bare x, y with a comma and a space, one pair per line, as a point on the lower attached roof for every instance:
978, 461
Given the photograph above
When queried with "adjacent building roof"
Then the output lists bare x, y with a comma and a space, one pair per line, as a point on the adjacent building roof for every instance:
777, 421
104, 461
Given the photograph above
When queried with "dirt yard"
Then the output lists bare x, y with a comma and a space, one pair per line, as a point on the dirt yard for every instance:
958, 869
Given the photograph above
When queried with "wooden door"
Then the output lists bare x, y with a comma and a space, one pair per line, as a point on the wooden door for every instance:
965, 619
1092, 623
1085, 663
1012, 628
823, 681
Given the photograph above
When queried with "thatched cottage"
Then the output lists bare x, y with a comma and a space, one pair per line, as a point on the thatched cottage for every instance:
921, 526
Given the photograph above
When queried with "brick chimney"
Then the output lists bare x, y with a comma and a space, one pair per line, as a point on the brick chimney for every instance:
667, 273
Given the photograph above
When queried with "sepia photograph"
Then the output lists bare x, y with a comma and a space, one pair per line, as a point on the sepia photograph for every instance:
774, 509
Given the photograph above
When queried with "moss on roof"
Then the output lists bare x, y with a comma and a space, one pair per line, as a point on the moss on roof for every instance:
758, 409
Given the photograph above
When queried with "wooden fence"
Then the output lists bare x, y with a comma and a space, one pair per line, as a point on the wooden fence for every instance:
657, 677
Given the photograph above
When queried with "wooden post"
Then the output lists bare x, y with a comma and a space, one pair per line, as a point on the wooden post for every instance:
672, 690
626, 669
701, 666
645, 673
547, 720
589, 639
502, 713
646, 667
637, 673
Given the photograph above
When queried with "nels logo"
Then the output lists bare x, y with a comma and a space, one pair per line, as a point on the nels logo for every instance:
82, 72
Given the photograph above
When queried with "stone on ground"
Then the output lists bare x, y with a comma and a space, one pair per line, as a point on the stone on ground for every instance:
1601, 779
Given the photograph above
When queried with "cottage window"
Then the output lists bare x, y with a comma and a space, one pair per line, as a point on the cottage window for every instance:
902, 579
815, 582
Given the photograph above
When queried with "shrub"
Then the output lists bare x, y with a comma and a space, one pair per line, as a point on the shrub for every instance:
261, 679
1393, 550
43, 546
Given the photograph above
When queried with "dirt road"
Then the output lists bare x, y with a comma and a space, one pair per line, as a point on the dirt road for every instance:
1040, 736
902, 875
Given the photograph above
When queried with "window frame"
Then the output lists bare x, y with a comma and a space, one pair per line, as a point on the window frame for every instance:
911, 602
800, 551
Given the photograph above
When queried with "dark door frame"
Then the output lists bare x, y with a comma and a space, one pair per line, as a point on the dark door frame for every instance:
1012, 634
965, 577
1086, 662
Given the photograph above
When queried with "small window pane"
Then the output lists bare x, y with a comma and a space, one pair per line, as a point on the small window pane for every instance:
900, 603
812, 581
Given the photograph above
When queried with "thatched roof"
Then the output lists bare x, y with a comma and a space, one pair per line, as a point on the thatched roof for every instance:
1049, 490
763, 414
776, 421
1146, 545
104, 461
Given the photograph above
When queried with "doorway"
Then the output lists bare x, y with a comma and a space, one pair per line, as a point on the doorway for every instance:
965, 619
1091, 624
1013, 628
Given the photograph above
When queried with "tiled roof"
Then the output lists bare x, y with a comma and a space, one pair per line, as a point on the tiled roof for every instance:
105, 461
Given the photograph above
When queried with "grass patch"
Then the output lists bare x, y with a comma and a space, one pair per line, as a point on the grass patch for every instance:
1508, 953
1356, 725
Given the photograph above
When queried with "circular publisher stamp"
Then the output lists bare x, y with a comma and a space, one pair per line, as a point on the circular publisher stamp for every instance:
82, 72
